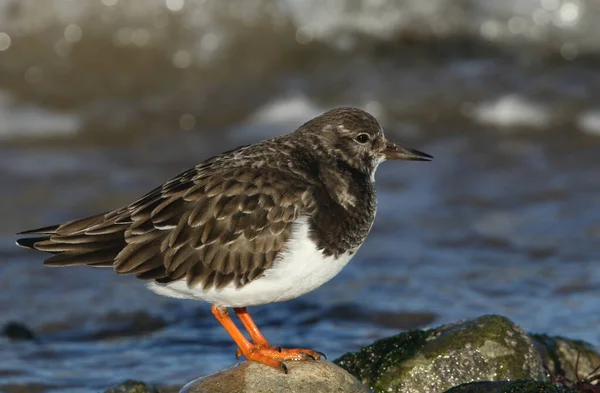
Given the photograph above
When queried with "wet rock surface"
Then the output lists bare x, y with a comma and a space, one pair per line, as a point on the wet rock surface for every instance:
132, 386
302, 377
568, 361
510, 387
489, 354
489, 348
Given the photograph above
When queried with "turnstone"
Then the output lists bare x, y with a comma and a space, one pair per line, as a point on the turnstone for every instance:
258, 224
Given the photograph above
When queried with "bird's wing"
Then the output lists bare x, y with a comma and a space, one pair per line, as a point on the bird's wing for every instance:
211, 226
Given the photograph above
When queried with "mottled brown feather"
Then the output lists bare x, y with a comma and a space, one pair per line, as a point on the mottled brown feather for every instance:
217, 239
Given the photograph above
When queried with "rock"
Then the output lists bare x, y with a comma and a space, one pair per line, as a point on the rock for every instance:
132, 386
510, 387
17, 331
489, 348
250, 377
567, 359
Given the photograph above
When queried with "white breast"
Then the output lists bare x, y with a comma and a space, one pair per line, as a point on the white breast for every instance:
299, 269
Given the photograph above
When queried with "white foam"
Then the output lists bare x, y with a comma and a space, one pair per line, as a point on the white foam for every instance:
287, 109
332, 20
512, 111
589, 122
30, 120
339, 23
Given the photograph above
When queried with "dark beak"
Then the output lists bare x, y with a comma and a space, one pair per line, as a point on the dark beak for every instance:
394, 151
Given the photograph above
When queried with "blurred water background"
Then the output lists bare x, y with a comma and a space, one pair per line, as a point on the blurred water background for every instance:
101, 100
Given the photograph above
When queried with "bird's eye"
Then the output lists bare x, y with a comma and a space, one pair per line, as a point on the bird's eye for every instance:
362, 138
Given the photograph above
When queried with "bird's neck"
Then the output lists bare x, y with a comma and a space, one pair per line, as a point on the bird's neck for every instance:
345, 209
346, 185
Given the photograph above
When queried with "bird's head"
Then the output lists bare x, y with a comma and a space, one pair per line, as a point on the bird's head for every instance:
354, 137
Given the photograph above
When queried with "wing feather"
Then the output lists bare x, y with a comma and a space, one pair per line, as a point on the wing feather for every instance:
216, 224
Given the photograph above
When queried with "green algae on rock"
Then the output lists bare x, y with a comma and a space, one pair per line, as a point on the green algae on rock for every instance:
132, 386
510, 387
489, 348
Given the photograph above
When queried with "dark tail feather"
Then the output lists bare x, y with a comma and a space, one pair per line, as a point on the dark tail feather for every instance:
100, 258
84, 224
51, 230
88, 241
99, 241
29, 242
70, 227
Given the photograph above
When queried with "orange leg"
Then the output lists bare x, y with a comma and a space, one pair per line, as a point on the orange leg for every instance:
247, 348
250, 326
260, 344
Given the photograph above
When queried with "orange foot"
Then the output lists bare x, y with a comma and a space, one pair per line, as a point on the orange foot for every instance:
275, 356
285, 353
259, 349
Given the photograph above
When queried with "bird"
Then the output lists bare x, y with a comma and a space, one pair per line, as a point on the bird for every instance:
262, 223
